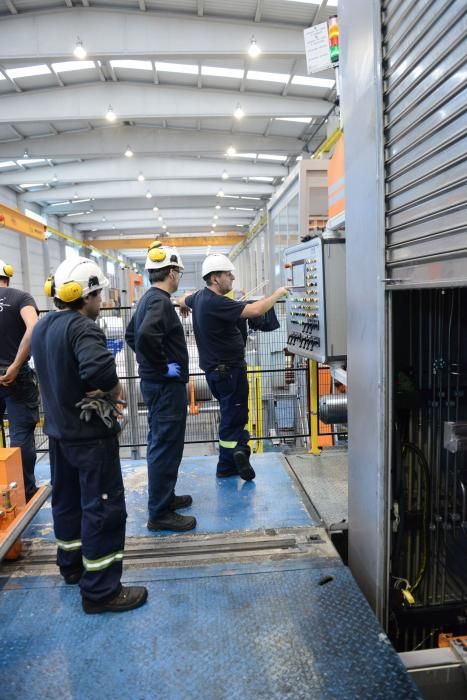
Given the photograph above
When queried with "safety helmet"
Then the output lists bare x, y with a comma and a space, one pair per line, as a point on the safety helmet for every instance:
75, 279
6, 270
216, 262
160, 256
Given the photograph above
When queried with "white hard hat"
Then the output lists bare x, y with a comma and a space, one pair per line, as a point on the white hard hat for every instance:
160, 256
6, 270
216, 263
74, 279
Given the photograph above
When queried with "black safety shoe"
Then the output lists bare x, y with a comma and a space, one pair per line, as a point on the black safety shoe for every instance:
243, 465
73, 577
179, 502
129, 598
170, 520
233, 471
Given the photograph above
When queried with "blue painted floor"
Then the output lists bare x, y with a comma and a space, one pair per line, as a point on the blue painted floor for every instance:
239, 631
220, 505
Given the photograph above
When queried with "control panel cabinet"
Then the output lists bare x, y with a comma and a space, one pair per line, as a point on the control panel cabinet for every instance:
316, 305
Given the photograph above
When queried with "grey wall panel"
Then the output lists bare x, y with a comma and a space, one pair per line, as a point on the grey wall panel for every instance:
362, 107
425, 96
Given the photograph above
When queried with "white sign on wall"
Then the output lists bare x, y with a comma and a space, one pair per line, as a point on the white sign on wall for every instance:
317, 48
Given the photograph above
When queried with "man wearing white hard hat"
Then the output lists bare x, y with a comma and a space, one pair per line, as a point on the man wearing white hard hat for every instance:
222, 357
18, 385
156, 334
75, 367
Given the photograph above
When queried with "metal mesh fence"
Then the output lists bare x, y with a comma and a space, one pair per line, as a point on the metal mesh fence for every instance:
278, 404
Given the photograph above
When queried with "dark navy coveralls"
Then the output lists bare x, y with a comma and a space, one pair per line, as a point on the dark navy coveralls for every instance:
21, 398
88, 502
156, 334
222, 357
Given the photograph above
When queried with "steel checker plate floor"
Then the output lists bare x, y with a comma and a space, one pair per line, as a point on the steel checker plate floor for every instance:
272, 500
222, 633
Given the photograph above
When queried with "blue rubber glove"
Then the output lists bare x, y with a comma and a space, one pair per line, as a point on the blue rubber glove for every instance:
174, 370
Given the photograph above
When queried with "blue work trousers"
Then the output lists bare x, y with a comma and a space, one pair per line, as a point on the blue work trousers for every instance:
167, 409
88, 508
230, 388
21, 400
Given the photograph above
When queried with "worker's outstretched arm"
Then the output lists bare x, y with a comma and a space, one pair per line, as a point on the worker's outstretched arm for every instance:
259, 308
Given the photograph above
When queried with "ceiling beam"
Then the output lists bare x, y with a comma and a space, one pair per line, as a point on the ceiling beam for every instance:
146, 141
113, 169
162, 188
133, 215
188, 241
108, 33
171, 224
149, 101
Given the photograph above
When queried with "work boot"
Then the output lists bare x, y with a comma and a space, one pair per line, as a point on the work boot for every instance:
243, 465
73, 577
230, 471
129, 598
170, 520
179, 502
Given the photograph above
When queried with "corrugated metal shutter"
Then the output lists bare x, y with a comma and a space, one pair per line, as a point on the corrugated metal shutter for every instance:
424, 50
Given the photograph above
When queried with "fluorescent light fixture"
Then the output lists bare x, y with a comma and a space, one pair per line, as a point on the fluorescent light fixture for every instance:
134, 65
28, 161
239, 113
300, 120
28, 71
261, 178
330, 3
79, 51
237, 73
159, 218
128, 153
211, 231
76, 213
164, 226
77, 201
33, 184
163, 66
60, 204
140, 177
55, 177
68, 66
299, 158
253, 49
104, 218
230, 196
242, 208
231, 151
240, 225
225, 175
113, 226
245, 155
245, 197
271, 156
214, 225
215, 216
110, 115
148, 194
220, 193
313, 82
155, 208
268, 77
7, 164
218, 206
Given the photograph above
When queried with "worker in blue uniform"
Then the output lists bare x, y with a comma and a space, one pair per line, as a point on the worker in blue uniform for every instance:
222, 357
74, 366
19, 394
156, 334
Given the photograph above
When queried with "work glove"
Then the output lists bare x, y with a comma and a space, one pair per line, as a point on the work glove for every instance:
173, 370
106, 408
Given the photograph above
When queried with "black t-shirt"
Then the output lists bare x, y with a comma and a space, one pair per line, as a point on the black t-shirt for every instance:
71, 358
12, 326
217, 335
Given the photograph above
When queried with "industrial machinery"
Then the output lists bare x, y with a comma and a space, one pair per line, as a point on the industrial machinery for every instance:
316, 312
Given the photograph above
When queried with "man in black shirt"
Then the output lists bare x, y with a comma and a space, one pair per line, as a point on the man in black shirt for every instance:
156, 334
222, 357
18, 385
88, 500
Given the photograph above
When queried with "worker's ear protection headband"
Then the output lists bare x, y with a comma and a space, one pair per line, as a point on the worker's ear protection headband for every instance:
156, 253
69, 291
8, 270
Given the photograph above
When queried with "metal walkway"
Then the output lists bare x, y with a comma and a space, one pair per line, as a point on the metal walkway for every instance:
254, 605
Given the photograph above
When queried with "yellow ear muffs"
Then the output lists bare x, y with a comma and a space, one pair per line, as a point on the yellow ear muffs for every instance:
49, 286
155, 252
8, 270
70, 291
